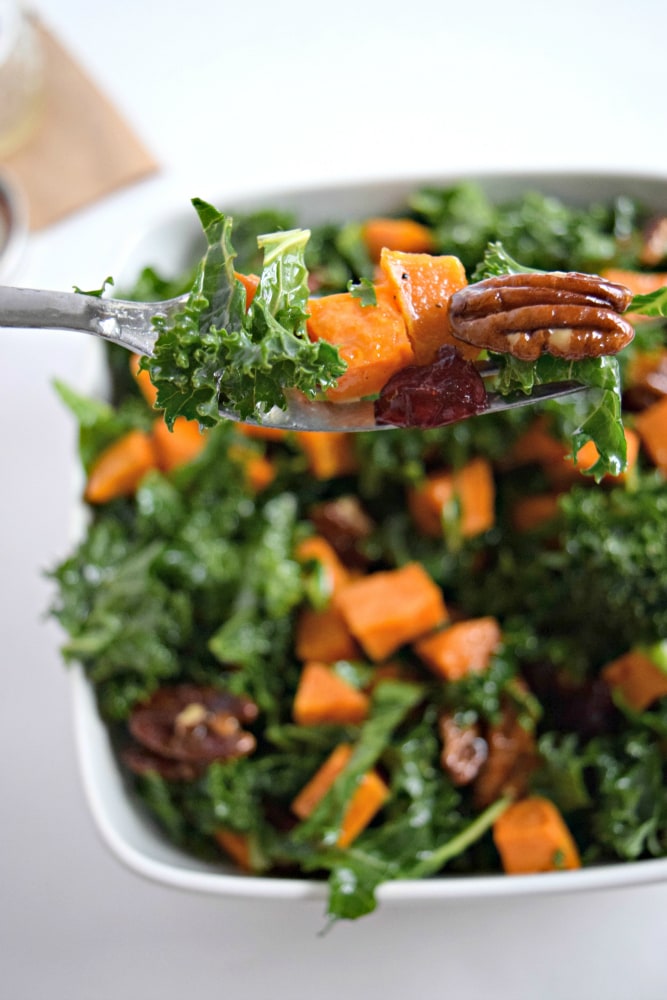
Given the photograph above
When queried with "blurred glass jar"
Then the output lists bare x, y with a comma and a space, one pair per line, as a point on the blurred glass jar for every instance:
21, 77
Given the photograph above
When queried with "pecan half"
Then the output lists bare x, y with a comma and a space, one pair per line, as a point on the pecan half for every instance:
563, 313
464, 749
194, 724
512, 757
346, 525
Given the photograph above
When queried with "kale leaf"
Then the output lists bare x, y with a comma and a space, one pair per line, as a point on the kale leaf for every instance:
216, 354
597, 417
538, 229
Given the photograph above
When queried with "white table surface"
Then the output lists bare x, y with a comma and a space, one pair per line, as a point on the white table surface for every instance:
230, 98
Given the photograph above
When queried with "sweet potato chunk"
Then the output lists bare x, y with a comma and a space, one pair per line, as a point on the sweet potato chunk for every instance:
258, 470
236, 846
639, 283
329, 453
120, 467
638, 679
472, 487
532, 512
323, 636
531, 836
262, 433
322, 696
459, 649
424, 284
370, 796
316, 548
250, 282
367, 800
143, 380
396, 234
372, 340
178, 446
651, 425
537, 445
386, 609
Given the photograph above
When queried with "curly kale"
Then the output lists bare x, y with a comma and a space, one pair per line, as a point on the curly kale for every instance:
217, 354
595, 589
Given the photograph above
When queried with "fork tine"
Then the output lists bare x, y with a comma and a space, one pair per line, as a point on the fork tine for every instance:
539, 393
302, 415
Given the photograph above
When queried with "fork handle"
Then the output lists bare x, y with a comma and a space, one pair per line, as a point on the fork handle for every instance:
128, 324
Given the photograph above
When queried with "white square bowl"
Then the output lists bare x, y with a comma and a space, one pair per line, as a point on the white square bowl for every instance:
170, 245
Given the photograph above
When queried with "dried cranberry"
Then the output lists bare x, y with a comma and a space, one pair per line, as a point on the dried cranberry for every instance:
586, 707
447, 390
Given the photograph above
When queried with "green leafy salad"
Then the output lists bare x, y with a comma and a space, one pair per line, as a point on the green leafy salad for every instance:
380, 656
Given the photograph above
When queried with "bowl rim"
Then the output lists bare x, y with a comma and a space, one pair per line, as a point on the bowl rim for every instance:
90, 733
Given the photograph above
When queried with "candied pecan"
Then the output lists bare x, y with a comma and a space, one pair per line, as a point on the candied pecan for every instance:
345, 525
566, 314
464, 749
512, 757
194, 724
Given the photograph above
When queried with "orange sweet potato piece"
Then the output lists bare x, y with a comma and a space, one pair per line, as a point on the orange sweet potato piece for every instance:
537, 446
120, 467
386, 609
314, 790
424, 284
143, 380
396, 234
322, 696
462, 648
368, 798
323, 636
236, 846
329, 453
532, 836
532, 512
262, 433
588, 455
319, 549
651, 425
250, 282
372, 340
639, 283
178, 446
472, 487
258, 470
638, 679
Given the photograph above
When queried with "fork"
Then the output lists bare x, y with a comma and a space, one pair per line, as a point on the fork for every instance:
130, 325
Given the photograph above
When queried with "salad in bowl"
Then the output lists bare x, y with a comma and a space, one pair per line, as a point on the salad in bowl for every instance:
409, 661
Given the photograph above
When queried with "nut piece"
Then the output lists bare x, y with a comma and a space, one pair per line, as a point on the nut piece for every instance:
563, 313
512, 757
194, 724
464, 749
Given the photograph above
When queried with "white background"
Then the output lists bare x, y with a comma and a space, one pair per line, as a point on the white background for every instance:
230, 97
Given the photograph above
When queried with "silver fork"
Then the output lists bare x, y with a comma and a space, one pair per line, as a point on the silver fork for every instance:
130, 325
